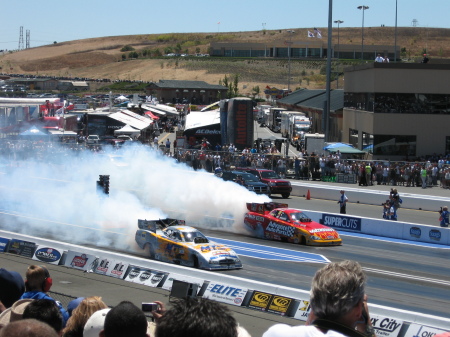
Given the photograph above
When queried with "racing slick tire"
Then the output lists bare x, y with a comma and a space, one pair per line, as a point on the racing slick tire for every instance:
285, 195
150, 252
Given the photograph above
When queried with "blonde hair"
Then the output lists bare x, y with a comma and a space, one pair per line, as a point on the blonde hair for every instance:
35, 277
83, 312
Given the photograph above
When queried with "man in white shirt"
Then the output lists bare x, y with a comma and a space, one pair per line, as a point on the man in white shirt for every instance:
379, 58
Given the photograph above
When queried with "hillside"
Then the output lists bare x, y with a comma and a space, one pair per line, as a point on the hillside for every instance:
102, 57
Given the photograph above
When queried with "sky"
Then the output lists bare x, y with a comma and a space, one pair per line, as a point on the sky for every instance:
61, 21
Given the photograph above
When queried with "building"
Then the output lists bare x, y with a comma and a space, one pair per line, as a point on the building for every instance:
194, 92
311, 102
73, 86
397, 110
312, 48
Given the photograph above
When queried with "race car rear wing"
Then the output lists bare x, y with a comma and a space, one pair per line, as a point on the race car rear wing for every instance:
153, 225
264, 207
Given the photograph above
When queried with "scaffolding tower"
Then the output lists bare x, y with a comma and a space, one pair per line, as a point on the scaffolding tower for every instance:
27, 39
21, 38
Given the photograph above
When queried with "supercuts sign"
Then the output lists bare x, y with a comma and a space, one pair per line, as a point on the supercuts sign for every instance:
341, 222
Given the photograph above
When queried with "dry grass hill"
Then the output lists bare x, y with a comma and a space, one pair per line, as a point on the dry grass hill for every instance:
103, 57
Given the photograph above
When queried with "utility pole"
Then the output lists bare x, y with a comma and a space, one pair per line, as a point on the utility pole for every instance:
290, 31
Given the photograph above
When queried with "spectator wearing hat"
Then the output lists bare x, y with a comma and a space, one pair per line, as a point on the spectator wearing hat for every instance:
12, 287
94, 324
38, 282
14, 313
28, 328
80, 315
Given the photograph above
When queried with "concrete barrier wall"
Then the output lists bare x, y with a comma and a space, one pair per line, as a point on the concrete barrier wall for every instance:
382, 227
367, 196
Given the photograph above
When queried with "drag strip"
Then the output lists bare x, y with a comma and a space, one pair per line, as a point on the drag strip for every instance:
271, 253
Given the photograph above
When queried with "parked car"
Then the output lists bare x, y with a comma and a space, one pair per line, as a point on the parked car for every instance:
250, 181
271, 178
93, 139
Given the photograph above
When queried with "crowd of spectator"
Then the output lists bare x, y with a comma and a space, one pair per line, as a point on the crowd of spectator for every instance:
338, 301
431, 171
42, 316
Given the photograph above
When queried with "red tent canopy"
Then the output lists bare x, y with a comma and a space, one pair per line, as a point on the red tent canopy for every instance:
152, 116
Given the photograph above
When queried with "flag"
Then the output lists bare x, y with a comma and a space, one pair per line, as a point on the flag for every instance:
318, 33
267, 87
310, 34
218, 23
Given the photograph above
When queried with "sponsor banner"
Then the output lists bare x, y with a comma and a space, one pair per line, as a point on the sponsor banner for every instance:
118, 269
416, 330
385, 326
3, 244
173, 276
260, 300
23, 248
225, 293
144, 276
48, 254
101, 265
79, 260
341, 222
426, 233
303, 310
280, 305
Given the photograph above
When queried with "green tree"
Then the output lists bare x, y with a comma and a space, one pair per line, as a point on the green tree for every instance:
127, 48
255, 91
133, 55
236, 85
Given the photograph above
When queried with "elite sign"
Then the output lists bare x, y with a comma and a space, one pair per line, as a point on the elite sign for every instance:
225, 293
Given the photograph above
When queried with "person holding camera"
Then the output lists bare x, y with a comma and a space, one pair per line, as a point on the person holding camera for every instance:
444, 217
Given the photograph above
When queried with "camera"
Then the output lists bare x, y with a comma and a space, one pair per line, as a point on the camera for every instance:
149, 307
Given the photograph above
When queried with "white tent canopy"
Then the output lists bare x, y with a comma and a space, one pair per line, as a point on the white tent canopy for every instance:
122, 98
127, 130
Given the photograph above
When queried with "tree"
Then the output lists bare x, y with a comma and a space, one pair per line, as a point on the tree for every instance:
255, 91
236, 85
127, 48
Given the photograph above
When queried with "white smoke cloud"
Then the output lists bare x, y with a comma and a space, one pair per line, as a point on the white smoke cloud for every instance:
57, 196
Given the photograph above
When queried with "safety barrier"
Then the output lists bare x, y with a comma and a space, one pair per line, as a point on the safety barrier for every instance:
367, 196
271, 298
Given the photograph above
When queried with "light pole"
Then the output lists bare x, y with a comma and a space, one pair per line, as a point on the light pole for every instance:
395, 34
290, 31
363, 8
338, 23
